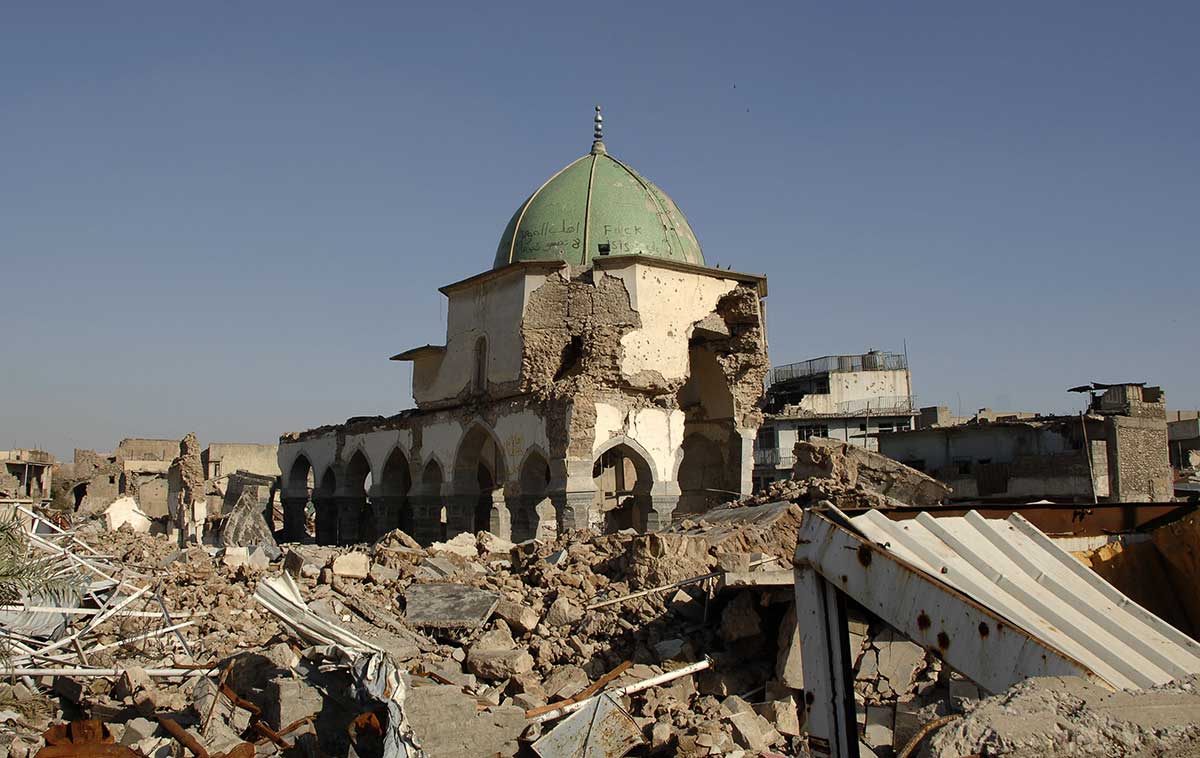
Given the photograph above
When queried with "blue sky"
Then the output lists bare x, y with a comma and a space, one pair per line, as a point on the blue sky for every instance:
224, 217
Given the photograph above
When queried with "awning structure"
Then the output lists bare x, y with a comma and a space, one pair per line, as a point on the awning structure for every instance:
995, 598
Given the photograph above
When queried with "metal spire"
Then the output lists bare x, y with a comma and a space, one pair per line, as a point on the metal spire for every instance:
598, 133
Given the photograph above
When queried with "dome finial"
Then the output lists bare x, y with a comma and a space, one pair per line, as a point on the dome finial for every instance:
598, 133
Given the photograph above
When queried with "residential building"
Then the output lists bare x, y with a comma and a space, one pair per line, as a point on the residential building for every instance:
852, 398
1116, 452
25, 476
1183, 436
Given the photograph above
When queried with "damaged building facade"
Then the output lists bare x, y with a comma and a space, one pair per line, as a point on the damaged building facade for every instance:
25, 476
1116, 452
599, 374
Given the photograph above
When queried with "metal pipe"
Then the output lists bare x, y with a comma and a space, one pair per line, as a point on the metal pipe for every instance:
629, 689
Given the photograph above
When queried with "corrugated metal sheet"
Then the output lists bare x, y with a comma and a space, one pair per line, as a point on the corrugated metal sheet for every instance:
1017, 571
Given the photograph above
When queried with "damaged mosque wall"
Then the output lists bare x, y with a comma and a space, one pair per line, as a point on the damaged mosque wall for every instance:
600, 374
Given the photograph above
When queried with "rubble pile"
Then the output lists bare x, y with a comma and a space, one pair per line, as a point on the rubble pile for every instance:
1066, 716
828, 471
499, 634
679, 642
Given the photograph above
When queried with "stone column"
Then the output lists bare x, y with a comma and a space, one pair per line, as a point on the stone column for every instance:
460, 512
664, 496
389, 513
294, 517
500, 520
572, 491
746, 456
425, 505
349, 515
327, 520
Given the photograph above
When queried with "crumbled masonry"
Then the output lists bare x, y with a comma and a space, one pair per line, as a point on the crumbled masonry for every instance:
496, 643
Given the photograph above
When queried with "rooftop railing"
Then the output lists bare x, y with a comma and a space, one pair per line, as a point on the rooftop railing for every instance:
872, 361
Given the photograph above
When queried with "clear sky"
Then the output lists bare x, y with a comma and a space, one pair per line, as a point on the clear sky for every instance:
223, 217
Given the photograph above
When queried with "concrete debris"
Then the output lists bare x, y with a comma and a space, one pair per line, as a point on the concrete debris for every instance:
682, 641
449, 606
351, 566
857, 467
1065, 716
603, 729
245, 525
123, 512
828, 471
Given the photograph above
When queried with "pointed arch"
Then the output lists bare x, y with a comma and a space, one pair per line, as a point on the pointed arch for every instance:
395, 478
480, 468
623, 472
300, 479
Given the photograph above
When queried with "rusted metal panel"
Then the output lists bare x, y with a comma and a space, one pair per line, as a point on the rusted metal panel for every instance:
602, 729
973, 638
1010, 567
1056, 519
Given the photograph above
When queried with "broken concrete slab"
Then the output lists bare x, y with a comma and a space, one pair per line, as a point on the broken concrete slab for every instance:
246, 526
463, 544
856, 466
352, 566
448, 723
448, 605
124, 511
565, 681
289, 700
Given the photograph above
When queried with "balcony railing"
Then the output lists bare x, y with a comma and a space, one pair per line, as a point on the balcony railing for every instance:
898, 405
873, 361
769, 457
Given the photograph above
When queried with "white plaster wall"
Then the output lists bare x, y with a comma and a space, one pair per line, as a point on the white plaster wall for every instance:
234, 456
858, 386
518, 432
441, 440
492, 309
377, 446
319, 451
669, 302
659, 431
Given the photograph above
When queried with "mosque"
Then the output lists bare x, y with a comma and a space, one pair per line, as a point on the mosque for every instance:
598, 375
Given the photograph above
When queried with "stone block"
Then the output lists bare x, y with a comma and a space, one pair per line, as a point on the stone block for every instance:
352, 566
565, 681
751, 731
233, 557
138, 729
740, 618
290, 700
520, 618
293, 563
562, 612
670, 650
789, 664
381, 574
783, 714
257, 558
499, 664
881, 720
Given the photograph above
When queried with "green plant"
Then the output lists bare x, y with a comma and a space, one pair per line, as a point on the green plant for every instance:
23, 574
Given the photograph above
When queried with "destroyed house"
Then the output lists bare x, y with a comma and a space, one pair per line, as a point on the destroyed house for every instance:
1116, 452
599, 374
25, 476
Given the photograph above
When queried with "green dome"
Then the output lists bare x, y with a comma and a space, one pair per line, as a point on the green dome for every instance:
597, 206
